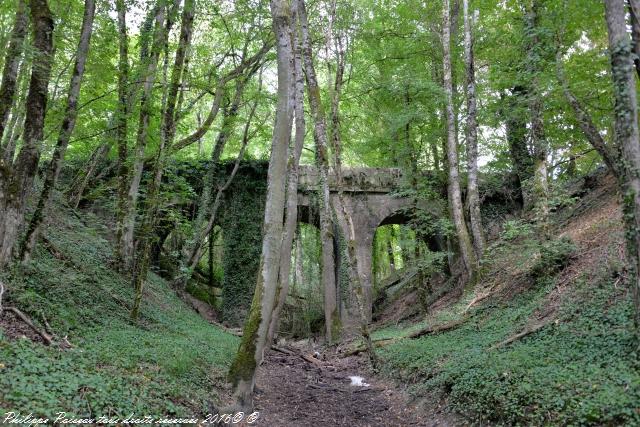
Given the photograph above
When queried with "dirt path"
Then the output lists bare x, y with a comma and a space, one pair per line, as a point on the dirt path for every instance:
292, 392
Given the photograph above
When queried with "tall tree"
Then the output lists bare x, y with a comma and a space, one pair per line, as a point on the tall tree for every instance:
146, 110
254, 336
535, 55
152, 202
471, 131
626, 135
295, 151
122, 129
66, 129
455, 198
331, 314
16, 180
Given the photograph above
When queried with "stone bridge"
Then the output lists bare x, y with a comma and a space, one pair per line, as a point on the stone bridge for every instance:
367, 194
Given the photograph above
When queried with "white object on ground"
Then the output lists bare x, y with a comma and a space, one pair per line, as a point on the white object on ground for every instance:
358, 381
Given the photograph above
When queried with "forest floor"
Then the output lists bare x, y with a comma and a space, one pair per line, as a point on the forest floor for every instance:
294, 388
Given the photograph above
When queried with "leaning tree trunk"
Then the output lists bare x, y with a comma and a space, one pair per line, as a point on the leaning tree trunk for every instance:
16, 181
473, 195
254, 336
66, 129
207, 209
11, 64
466, 248
626, 136
331, 314
291, 217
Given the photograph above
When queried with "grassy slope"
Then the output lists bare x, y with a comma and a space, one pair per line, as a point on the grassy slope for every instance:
579, 369
172, 363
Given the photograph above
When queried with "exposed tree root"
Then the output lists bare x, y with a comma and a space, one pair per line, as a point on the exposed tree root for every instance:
527, 331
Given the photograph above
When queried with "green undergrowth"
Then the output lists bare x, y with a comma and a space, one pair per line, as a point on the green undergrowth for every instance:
580, 369
172, 362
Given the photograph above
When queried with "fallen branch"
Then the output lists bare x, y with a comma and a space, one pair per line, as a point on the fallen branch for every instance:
45, 336
311, 360
436, 329
377, 343
283, 350
527, 331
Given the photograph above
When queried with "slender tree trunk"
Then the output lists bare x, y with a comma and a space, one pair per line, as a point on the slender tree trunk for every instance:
457, 213
473, 195
391, 255
12, 59
143, 256
291, 216
538, 138
195, 251
66, 129
587, 126
331, 314
626, 136
634, 12
299, 272
122, 130
207, 210
86, 174
130, 207
14, 129
16, 181
254, 337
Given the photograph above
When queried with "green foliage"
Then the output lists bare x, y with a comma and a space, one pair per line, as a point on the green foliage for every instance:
159, 367
241, 222
554, 256
581, 371
514, 229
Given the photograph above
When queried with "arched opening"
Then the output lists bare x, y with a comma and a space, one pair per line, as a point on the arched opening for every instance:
409, 252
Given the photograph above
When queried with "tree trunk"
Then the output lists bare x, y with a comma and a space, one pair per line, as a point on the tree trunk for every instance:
331, 314
14, 129
66, 129
626, 136
146, 105
587, 126
466, 248
11, 64
473, 195
86, 174
538, 138
207, 210
16, 181
291, 216
634, 12
122, 129
254, 336
152, 203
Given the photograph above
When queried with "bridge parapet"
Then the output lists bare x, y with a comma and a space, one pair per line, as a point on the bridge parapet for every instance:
356, 180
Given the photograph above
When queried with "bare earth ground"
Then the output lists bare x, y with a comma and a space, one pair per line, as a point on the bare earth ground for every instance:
292, 391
